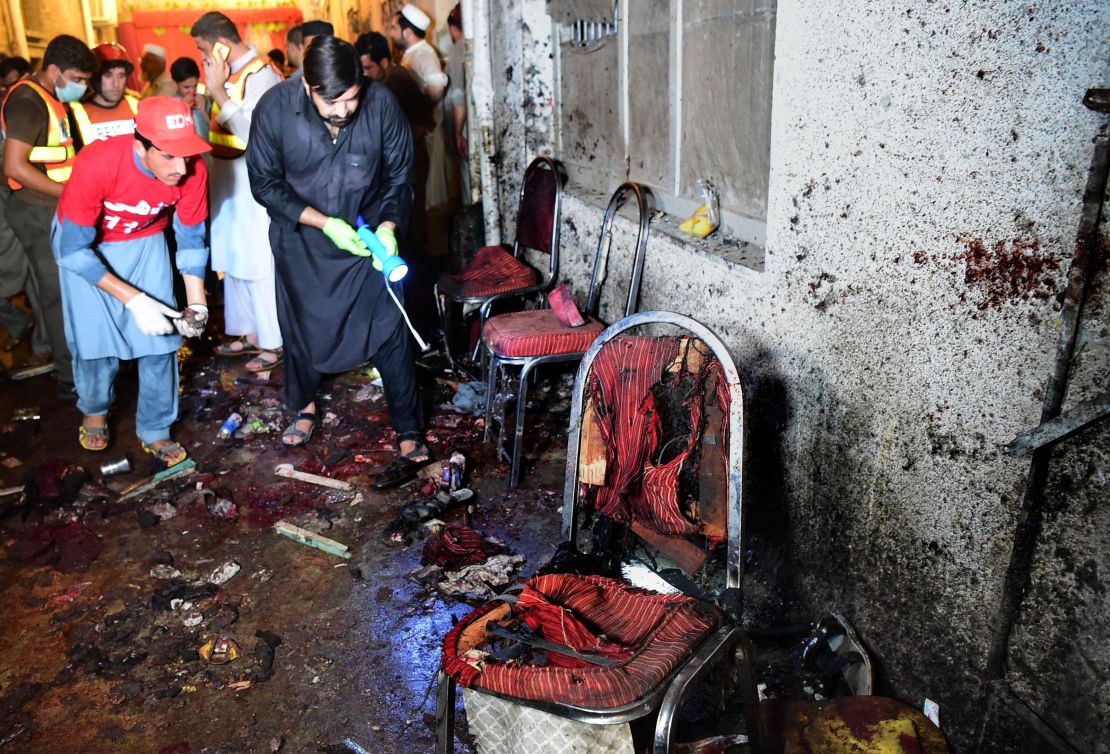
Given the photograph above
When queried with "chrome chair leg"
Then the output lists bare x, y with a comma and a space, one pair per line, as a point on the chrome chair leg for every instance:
707, 656
445, 714
491, 397
518, 421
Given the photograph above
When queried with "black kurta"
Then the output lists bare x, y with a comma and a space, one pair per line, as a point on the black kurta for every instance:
333, 307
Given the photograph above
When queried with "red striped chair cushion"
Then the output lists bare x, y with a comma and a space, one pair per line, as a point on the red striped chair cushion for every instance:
492, 270
649, 634
537, 333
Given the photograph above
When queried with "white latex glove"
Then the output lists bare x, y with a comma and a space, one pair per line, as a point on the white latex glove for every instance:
192, 321
151, 316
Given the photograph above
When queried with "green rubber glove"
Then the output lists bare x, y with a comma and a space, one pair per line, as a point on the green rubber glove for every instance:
389, 241
345, 237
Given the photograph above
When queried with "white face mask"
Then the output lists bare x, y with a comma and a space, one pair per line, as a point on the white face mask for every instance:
70, 91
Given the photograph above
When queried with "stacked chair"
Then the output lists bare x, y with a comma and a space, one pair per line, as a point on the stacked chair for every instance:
522, 341
496, 274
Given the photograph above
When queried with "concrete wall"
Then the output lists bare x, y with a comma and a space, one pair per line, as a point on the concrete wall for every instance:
927, 168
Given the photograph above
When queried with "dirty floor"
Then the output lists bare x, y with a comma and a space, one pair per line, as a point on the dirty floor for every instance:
104, 658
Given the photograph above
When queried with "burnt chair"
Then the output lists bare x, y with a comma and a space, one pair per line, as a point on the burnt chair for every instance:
529, 339
494, 272
649, 618
616, 652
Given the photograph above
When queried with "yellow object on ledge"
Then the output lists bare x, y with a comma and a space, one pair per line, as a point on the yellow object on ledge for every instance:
698, 224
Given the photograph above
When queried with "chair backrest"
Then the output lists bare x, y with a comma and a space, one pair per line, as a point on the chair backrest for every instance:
640, 370
539, 212
605, 242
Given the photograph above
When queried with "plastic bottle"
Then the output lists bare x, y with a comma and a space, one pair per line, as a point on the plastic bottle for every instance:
227, 429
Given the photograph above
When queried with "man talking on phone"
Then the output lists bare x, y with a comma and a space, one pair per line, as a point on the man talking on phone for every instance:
237, 77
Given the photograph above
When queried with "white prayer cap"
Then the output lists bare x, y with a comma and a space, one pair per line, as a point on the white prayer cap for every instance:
155, 50
416, 17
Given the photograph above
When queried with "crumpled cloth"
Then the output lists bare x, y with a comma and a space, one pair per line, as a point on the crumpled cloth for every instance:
456, 546
70, 547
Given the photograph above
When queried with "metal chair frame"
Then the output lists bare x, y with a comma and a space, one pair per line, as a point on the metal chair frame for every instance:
670, 694
527, 364
540, 163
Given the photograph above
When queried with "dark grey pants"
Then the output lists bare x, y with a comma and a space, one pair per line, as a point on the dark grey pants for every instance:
31, 223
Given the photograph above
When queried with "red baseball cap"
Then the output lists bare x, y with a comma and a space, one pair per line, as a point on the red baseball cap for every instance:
167, 123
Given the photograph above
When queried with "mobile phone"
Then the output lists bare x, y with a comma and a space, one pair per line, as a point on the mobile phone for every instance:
220, 51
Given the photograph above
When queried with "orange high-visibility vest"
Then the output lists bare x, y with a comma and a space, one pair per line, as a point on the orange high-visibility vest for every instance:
95, 122
57, 154
225, 144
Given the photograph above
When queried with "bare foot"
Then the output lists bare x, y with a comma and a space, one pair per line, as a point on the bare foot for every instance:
170, 458
409, 446
94, 440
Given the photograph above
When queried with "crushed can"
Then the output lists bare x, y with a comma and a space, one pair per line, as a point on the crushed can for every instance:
116, 467
230, 425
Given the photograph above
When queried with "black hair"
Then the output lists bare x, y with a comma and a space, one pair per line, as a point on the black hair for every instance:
184, 68
295, 36
373, 45
317, 29
331, 67
454, 18
406, 24
212, 26
69, 53
277, 57
147, 143
14, 64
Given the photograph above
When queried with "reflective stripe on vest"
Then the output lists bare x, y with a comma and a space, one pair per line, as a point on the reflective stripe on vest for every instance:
225, 144
91, 130
57, 154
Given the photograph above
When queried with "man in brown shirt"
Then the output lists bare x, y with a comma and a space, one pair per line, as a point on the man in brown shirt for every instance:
38, 158
418, 109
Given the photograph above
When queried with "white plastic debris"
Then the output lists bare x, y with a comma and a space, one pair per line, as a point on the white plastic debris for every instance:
224, 573
932, 711
161, 571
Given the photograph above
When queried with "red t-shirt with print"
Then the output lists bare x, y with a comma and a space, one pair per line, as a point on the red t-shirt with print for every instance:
108, 190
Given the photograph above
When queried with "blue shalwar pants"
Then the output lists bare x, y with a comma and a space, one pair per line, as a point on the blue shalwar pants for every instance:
157, 408
101, 332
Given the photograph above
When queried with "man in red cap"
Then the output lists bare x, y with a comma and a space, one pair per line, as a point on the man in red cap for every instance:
116, 278
111, 109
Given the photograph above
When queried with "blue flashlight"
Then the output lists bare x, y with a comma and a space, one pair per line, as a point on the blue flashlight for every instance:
394, 268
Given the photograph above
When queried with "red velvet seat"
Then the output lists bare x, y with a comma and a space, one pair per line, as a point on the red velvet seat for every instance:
537, 333
493, 270
648, 634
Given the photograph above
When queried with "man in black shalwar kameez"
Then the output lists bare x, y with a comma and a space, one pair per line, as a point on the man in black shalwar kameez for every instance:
325, 149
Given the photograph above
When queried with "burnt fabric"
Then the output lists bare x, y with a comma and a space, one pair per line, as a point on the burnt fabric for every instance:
537, 333
455, 546
333, 307
621, 382
70, 547
493, 270
649, 635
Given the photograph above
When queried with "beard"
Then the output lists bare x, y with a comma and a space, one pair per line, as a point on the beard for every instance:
338, 121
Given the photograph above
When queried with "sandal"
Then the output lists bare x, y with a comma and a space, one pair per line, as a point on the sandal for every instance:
303, 435
84, 432
403, 468
245, 348
259, 364
165, 452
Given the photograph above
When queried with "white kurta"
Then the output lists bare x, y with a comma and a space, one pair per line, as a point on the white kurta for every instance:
422, 60
240, 225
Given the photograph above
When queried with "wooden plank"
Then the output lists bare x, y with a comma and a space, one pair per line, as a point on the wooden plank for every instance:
312, 539
686, 555
713, 469
592, 462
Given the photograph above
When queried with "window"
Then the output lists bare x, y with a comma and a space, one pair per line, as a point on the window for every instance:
667, 93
